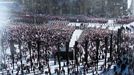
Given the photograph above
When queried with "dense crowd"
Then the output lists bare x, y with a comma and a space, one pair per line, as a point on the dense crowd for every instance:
121, 55
92, 33
20, 35
125, 20
40, 19
32, 46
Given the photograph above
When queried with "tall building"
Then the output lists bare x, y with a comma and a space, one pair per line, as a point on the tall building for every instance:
99, 8
116, 8
132, 8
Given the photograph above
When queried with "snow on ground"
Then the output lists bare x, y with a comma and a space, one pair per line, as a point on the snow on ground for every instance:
114, 28
132, 23
110, 26
110, 22
75, 37
97, 25
74, 24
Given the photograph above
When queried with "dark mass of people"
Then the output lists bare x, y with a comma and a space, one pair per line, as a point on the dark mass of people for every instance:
32, 48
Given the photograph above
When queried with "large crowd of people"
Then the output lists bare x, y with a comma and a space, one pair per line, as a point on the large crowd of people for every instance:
125, 20
122, 57
48, 35
33, 46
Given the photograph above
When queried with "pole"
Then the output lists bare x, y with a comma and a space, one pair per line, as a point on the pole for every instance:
67, 57
38, 49
97, 48
118, 41
106, 48
29, 47
20, 56
86, 52
59, 57
111, 46
12, 50
3, 51
86, 55
76, 51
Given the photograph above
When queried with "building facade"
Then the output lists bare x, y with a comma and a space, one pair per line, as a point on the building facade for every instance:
98, 8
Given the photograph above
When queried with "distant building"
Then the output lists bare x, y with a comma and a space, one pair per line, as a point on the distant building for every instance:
116, 8
132, 8
98, 8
